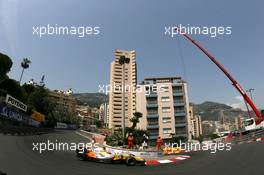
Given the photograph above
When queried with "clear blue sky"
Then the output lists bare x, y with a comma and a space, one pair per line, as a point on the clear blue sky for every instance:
84, 63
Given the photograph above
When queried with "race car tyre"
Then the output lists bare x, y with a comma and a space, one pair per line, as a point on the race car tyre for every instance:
77, 151
116, 161
1, 173
104, 160
82, 157
143, 163
130, 161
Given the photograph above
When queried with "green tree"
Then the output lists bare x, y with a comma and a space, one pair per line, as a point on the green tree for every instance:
135, 119
115, 139
98, 123
200, 138
28, 89
61, 114
39, 101
213, 136
178, 139
5, 66
12, 88
25, 65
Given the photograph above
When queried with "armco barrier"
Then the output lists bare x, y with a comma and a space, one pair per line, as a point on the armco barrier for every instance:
98, 138
250, 137
23, 130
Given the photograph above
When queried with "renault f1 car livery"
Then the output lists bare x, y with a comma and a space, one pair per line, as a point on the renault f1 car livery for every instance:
103, 156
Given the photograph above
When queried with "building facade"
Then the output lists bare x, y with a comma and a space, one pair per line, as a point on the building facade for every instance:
89, 117
196, 124
104, 114
116, 88
64, 100
239, 123
164, 104
208, 127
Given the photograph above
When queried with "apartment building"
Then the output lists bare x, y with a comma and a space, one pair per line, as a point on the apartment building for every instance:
239, 122
104, 114
209, 127
115, 95
89, 116
196, 123
164, 104
64, 100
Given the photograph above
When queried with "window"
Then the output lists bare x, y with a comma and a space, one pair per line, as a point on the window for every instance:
166, 109
153, 122
152, 111
177, 89
165, 99
179, 99
181, 130
152, 101
147, 88
166, 130
164, 88
166, 120
179, 109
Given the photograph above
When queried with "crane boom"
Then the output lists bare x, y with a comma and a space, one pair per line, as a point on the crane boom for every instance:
234, 82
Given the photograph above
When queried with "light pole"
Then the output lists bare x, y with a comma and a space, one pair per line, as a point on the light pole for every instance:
250, 92
122, 61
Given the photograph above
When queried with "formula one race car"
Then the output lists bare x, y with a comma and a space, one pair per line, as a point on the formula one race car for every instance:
172, 150
101, 155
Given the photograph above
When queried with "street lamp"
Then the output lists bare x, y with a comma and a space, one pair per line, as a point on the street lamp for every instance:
122, 61
250, 92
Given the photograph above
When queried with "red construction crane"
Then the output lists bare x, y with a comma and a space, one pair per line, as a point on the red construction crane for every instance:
250, 122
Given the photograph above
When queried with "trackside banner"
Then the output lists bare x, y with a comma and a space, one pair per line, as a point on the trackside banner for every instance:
11, 113
16, 103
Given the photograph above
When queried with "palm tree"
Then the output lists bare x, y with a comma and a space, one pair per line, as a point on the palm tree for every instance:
24, 64
135, 119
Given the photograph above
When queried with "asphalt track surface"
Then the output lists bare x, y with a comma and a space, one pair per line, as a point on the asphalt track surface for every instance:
17, 158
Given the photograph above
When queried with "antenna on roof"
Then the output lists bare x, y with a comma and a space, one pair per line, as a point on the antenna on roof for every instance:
42, 83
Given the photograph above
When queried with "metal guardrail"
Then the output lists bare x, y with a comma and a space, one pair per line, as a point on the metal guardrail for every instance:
23, 130
252, 136
98, 138
260, 132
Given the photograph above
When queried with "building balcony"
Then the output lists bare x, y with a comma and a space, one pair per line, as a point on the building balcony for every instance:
154, 137
152, 105
153, 115
180, 120
178, 93
183, 134
180, 124
179, 113
176, 84
151, 95
153, 126
152, 123
181, 103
